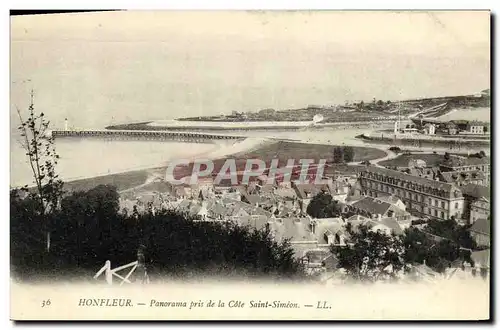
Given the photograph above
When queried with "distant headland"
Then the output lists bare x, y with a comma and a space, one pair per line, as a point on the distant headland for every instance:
348, 113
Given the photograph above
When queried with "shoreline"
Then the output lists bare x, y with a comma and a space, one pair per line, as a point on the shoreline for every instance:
128, 180
141, 174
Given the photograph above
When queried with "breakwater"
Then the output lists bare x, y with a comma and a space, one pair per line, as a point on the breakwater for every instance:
146, 135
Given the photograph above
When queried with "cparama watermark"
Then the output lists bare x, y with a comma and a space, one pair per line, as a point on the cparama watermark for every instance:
244, 171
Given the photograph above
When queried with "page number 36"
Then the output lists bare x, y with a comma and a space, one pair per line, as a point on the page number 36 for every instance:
45, 303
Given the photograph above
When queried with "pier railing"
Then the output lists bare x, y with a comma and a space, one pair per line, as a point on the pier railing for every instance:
147, 135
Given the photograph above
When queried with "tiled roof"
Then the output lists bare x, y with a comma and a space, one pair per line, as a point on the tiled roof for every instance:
257, 222
296, 229
427, 173
327, 227
357, 217
476, 191
393, 225
185, 204
180, 191
481, 226
304, 189
407, 177
391, 199
217, 209
288, 193
456, 176
372, 205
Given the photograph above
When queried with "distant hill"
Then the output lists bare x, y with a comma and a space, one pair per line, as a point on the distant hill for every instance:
466, 101
356, 112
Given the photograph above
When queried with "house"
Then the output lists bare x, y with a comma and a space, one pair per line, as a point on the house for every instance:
422, 196
463, 178
297, 230
191, 208
480, 232
329, 231
370, 207
305, 192
181, 192
476, 202
223, 190
202, 213
217, 210
479, 209
257, 222
393, 200
286, 193
252, 199
460, 124
466, 164
376, 208
339, 190
238, 208
476, 127
451, 128
429, 129
320, 259
386, 225
423, 172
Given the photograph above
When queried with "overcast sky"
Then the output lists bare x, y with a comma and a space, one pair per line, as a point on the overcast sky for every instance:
206, 62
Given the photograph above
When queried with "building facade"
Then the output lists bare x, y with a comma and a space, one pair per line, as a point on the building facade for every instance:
468, 165
477, 127
479, 209
422, 197
480, 232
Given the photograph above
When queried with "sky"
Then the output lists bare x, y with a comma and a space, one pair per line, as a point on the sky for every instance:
113, 67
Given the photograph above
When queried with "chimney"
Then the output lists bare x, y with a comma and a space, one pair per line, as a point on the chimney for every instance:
313, 227
379, 217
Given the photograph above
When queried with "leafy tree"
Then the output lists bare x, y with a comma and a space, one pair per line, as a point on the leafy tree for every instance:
323, 206
338, 155
372, 256
42, 158
437, 254
348, 153
446, 156
451, 230
89, 230
395, 149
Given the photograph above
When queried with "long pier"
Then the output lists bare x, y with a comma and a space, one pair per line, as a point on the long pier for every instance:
146, 135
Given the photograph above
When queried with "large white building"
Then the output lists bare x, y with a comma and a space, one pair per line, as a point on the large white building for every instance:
422, 196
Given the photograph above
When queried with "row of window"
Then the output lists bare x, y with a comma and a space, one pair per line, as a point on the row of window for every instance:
435, 213
409, 195
483, 168
406, 184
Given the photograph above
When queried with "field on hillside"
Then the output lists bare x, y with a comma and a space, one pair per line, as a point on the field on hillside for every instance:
285, 150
